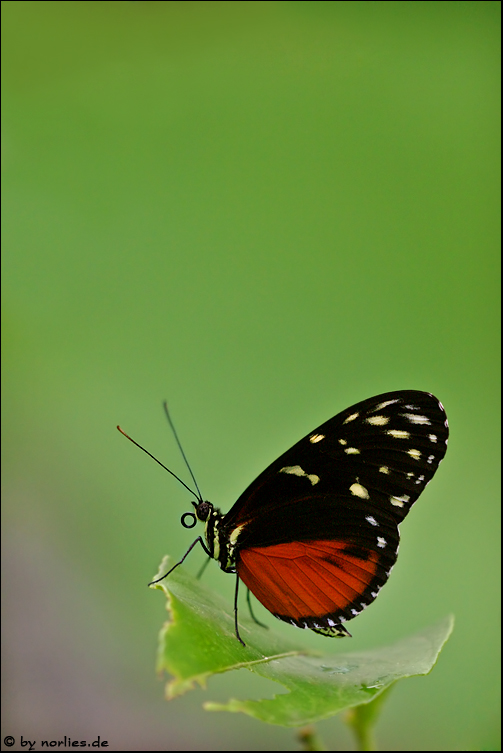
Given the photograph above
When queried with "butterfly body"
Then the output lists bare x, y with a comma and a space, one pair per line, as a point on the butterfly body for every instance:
315, 536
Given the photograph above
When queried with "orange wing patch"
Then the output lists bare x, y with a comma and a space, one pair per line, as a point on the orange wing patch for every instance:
307, 578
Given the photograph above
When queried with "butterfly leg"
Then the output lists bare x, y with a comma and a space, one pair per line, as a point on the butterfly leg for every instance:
200, 540
236, 612
251, 611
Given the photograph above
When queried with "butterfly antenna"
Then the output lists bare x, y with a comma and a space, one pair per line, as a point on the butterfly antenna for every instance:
181, 448
161, 464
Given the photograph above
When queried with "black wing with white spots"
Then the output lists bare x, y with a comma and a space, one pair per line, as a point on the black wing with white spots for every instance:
316, 534
381, 452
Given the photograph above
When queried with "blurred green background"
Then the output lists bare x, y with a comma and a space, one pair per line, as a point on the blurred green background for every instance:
263, 212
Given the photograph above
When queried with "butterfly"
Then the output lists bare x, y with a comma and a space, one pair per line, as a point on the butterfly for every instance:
315, 536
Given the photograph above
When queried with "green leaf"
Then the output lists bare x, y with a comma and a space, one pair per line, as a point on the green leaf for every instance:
199, 641
362, 719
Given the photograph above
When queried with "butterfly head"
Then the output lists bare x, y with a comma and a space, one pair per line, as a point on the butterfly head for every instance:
211, 517
203, 510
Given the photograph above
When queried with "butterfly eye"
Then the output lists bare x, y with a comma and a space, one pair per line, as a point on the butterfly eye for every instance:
203, 510
192, 518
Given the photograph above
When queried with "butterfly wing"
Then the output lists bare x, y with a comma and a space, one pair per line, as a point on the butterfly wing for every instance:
316, 533
321, 581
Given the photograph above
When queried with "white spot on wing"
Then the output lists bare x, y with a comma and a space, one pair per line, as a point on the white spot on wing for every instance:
398, 434
235, 533
384, 469
352, 451
359, 491
316, 438
371, 520
416, 454
342, 441
381, 543
296, 470
378, 420
414, 419
384, 405
432, 437
351, 418
399, 501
